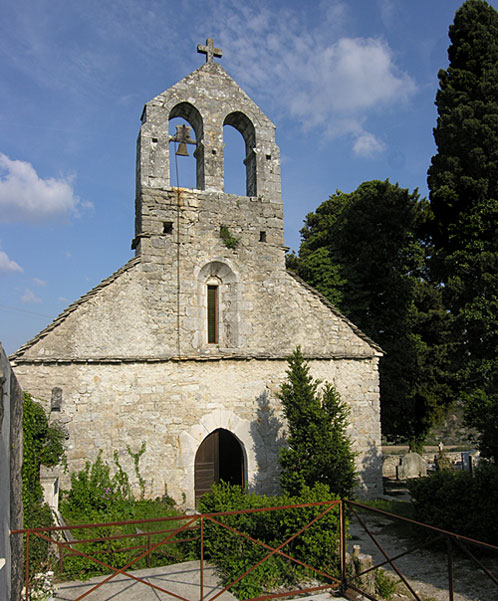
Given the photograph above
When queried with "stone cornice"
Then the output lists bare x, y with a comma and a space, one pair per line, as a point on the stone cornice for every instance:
183, 358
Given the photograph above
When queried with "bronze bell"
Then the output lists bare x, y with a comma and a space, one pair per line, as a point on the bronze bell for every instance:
182, 150
183, 138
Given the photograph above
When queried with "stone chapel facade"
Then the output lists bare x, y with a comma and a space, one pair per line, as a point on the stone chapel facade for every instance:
185, 346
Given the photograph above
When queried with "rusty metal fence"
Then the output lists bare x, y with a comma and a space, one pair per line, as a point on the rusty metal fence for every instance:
190, 528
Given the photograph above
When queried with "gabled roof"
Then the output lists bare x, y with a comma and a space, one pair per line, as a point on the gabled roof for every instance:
336, 312
73, 306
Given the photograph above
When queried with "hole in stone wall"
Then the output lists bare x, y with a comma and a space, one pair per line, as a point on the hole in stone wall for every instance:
186, 165
167, 227
155, 140
234, 155
262, 236
268, 157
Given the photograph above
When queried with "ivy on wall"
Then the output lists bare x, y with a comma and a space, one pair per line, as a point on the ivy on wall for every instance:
42, 445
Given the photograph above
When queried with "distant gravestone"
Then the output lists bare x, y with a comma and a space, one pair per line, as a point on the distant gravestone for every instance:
470, 459
412, 466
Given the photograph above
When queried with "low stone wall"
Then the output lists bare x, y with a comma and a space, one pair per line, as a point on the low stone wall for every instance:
11, 512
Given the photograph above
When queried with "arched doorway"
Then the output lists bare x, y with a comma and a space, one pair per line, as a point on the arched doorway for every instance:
219, 457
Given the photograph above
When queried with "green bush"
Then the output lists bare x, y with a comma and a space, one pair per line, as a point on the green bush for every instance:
316, 546
319, 448
97, 496
42, 445
385, 585
459, 502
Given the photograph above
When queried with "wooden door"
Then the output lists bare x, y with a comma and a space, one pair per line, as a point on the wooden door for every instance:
207, 465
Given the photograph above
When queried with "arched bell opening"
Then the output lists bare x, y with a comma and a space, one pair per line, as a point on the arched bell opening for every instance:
220, 457
246, 128
185, 128
234, 169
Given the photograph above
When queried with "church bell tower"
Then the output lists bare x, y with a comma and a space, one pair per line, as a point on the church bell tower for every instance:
212, 246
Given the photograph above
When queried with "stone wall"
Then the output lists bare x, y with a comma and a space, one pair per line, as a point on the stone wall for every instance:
174, 405
11, 512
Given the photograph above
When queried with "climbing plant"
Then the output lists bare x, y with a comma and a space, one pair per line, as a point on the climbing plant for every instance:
42, 445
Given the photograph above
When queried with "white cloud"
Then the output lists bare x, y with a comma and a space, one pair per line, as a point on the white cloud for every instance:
25, 197
367, 145
39, 282
30, 298
7, 264
329, 81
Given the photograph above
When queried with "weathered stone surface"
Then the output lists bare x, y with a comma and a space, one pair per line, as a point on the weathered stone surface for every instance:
132, 356
11, 511
412, 466
361, 563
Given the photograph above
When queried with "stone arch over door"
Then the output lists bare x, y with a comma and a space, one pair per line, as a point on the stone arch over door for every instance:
219, 458
191, 439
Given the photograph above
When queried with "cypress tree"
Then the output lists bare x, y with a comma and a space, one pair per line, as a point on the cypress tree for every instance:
463, 183
319, 449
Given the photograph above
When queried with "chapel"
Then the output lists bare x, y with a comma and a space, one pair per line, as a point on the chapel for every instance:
185, 347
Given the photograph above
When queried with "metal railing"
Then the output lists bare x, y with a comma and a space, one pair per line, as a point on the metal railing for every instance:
192, 528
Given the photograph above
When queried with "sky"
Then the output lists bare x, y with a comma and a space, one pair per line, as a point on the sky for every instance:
349, 84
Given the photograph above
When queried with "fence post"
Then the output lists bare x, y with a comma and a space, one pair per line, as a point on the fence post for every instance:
202, 559
450, 567
148, 551
342, 543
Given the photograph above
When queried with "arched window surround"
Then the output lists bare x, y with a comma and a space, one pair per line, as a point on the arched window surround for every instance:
219, 274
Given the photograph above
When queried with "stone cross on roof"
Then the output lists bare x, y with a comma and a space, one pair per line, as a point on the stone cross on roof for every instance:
209, 50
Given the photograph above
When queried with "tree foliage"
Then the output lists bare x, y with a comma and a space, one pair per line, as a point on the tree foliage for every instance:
463, 182
42, 445
366, 252
319, 449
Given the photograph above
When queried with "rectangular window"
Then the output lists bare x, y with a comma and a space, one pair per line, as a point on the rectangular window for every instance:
212, 314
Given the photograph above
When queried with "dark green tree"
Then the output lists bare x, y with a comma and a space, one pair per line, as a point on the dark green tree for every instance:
463, 183
366, 252
319, 449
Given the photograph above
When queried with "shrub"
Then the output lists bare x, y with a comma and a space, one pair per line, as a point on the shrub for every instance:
42, 445
385, 585
459, 502
316, 546
319, 449
98, 496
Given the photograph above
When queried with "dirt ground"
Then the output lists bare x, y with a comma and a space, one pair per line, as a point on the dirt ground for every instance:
426, 570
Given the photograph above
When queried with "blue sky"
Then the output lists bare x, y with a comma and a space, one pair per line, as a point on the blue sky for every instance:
350, 86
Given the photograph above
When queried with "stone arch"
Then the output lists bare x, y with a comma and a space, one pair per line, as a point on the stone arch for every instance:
187, 111
219, 458
220, 274
245, 126
191, 439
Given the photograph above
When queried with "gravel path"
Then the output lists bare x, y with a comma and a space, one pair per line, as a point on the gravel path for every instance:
426, 570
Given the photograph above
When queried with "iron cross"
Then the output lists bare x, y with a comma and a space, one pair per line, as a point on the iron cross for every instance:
209, 50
